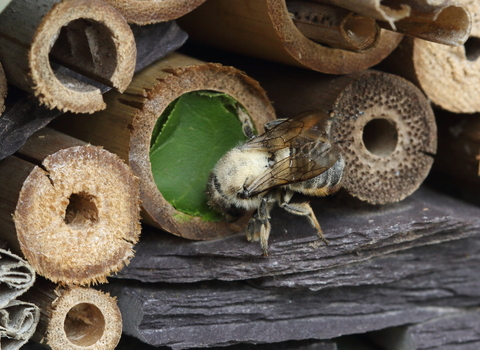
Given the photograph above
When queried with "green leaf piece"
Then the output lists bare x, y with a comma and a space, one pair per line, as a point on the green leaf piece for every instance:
193, 133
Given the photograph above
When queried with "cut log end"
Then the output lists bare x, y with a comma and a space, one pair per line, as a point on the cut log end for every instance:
151, 11
387, 133
77, 217
90, 38
84, 318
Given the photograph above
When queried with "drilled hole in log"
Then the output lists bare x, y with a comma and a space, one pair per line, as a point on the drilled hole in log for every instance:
359, 29
472, 48
380, 137
86, 47
84, 324
81, 211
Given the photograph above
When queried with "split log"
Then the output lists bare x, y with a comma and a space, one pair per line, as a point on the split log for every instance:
27, 115
16, 276
75, 206
385, 127
3, 89
75, 318
18, 321
446, 22
127, 125
152, 11
449, 76
356, 232
264, 29
87, 36
334, 26
219, 314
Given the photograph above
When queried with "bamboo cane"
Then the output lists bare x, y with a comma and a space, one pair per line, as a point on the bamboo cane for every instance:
446, 22
449, 76
151, 11
384, 125
75, 317
75, 206
87, 36
265, 29
126, 127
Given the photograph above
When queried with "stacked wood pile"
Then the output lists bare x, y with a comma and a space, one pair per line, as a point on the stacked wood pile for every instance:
399, 80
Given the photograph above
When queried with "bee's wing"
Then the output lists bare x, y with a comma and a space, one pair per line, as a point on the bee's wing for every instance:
302, 128
304, 163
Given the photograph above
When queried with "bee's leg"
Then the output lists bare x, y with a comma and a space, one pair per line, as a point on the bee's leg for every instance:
302, 209
253, 228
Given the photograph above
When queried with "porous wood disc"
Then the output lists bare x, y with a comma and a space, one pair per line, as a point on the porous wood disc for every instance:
386, 130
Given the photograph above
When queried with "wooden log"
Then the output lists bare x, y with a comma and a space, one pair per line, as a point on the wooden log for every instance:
218, 314
151, 11
127, 125
446, 22
27, 115
356, 232
76, 208
3, 89
384, 125
18, 321
334, 26
264, 29
75, 317
88, 36
447, 75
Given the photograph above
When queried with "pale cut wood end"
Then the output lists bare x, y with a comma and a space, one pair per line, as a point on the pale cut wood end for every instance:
386, 130
152, 11
96, 41
84, 318
77, 217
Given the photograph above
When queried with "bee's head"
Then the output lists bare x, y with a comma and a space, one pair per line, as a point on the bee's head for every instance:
226, 188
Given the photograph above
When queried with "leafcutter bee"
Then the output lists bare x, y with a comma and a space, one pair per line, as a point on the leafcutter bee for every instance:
293, 155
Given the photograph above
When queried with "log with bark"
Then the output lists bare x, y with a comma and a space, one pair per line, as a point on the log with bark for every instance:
75, 318
449, 76
222, 313
264, 28
127, 125
152, 11
75, 208
26, 115
87, 36
3, 89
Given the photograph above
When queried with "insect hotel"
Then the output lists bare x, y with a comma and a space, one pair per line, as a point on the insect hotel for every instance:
241, 174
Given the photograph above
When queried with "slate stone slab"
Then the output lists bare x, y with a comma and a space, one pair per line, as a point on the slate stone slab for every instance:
356, 231
26, 115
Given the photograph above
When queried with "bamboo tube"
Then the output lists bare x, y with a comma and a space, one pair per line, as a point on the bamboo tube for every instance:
3, 89
87, 36
335, 26
126, 128
152, 11
384, 126
18, 321
75, 206
75, 317
446, 22
264, 28
449, 76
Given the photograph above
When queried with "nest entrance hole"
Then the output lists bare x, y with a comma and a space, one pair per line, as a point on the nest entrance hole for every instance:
84, 324
84, 55
472, 48
380, 137
81, 211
